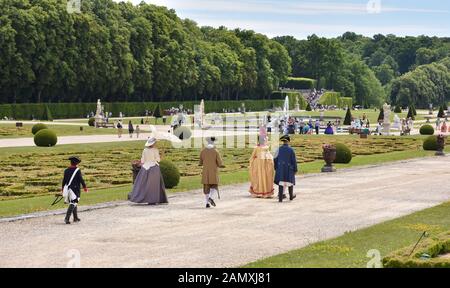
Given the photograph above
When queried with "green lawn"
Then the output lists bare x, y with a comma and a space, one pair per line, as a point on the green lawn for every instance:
10, 130
42, 203
350, 250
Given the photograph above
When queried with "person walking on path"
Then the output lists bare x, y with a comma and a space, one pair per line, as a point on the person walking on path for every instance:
149, 187
261, 170
71, 186
317, 126
138, 131
211, 161
119, 129
286, 168
130, 129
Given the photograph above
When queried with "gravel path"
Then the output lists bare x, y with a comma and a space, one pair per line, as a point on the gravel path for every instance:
240, 230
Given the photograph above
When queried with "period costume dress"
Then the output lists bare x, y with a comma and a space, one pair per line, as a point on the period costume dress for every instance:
211, 161
286, 167
261, 172
149, 186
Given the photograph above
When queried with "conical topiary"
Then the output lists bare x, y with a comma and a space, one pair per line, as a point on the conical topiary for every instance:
441, 113
157, 113
47, 116
413, 107
348, 117
410, 114
398, 109
308, 107
381, 115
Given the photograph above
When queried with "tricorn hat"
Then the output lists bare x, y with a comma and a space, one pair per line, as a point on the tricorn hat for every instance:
285, 138
75, 159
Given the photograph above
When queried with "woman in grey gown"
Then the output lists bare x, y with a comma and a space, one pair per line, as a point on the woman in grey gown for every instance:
149, 186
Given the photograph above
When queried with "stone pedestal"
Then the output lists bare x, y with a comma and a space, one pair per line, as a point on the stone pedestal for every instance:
297, 107
329, 155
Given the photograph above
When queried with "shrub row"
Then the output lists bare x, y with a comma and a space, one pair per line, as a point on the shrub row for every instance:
335, 99
81, 110
300, 83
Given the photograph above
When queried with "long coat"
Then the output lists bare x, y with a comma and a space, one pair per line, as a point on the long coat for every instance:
285, 165
211, 161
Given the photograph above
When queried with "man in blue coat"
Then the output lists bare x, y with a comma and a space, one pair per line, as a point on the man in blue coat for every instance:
286, 168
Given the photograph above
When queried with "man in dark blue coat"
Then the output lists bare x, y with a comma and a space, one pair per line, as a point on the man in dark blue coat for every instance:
286, 168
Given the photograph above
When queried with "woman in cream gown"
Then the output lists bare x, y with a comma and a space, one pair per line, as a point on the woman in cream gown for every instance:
262, 171
149, 186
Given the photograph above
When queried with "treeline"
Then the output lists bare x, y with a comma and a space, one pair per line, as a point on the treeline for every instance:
374, 70
122, 52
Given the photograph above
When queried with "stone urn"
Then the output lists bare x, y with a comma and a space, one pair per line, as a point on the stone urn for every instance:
440, 145
329, 155
135, 167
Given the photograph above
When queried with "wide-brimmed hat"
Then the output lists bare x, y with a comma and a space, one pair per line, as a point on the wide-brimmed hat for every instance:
75, 159
150, 142
285, 138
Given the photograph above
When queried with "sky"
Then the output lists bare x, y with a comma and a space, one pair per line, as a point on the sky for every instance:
326, 18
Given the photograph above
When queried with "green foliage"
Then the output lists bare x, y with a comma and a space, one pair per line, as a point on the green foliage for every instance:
157, 113
348, 117
343, 154
345, 102
91, 122
47, 114
434, 246
398, 109
308, 107
381, 115
441, 113
45, 138
411, 114
300, 83
330, 98
281, 95
126, 52
426, 130
38, 127
170, 173
445, 106
413, 110
430, 144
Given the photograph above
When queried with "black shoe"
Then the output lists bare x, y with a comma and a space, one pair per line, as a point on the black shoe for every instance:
75, 215
292, 197
208, 206
212, 202
280, 198
69, 213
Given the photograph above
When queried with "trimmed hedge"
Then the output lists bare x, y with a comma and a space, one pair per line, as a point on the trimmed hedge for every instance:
343, 154
38, 127
45, 138
335, 99
345, 102
91, 122
281, 96
300, 83
434, 247
133, 109
426, 130
430, 144
170, 173
398, 109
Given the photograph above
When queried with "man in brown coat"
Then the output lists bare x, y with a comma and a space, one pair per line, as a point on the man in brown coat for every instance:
211, 161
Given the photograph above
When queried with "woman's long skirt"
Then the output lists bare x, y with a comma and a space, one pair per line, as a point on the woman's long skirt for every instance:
149, 187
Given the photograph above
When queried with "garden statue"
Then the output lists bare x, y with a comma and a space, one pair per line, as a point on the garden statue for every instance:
297, 105
387, 119
397, 123
440, 145
431, 109
329, 155
99, 117
199, 114
286, 108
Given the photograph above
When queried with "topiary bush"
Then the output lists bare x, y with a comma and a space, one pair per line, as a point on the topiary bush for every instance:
91, 122
398, 109
183, 133
170, 173
441, 113
343, 154
45, 138
430, 144
348, 117
38, 127
308, 107
426, 130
